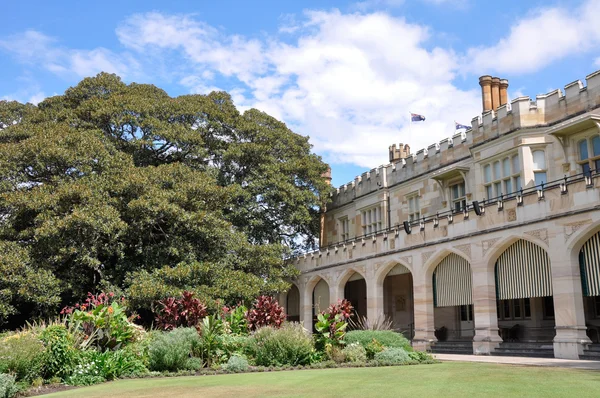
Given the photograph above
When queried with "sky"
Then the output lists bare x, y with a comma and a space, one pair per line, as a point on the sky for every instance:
345, 73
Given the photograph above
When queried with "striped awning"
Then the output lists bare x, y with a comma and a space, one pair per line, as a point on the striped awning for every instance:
589, 263
523, 271
452, 282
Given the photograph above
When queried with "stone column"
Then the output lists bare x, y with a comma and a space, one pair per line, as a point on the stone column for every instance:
486, 92
569, 315
424, 320
336, 292
486, 337
306, 307
374, 297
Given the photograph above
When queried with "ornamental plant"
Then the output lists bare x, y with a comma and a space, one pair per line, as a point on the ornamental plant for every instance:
265, 311
236, 319
331, 331
185, 311
343, 308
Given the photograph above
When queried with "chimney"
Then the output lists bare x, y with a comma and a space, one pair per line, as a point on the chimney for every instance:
503, 91
495, 93
327, 175
486, 92
401, 152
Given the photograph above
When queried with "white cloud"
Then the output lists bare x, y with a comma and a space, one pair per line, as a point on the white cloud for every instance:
35, 48
537, 40
347, 80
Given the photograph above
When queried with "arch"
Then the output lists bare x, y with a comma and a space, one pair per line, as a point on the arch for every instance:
500, 246
354, 291
576, 241
452, 282
320, 296
292, 303
346, 274
387, 267
432, 263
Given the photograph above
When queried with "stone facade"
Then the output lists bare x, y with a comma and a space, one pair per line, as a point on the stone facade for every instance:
515, 146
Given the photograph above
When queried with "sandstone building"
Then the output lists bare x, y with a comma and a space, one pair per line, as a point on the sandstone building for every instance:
490, 237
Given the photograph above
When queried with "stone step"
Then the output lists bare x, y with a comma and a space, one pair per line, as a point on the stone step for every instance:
593, 348
524, 354
590, 356
510, 345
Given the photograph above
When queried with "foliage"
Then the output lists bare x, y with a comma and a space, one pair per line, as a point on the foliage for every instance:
343, 308
171, 351
237, 363
22, 354
289, 345
363, 323
106, 326
354, 353
8, 386
122, 185
387, 338
392, 356
421, 357
60, 354
265, 311
331, 330
21, 284
236, 319
372, 348
174, 312
211, 332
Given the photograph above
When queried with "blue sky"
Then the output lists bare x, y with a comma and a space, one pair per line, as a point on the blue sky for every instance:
345, 73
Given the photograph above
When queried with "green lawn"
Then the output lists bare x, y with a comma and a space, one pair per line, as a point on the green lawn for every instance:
440, 380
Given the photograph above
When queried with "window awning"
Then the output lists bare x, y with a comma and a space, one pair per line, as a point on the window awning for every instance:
452, 282
574, 125
449, 172
589, 262
523, 271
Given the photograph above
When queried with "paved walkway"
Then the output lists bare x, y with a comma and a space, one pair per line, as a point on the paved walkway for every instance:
551, 362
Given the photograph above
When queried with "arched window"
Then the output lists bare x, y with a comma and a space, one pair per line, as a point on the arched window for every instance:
539, 167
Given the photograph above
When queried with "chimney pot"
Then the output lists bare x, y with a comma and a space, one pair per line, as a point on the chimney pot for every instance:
495, 93
486, 92
503, 91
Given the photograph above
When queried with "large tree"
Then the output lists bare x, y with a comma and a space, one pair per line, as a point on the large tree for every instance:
122, 186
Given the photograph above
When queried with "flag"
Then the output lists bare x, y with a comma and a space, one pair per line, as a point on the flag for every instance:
461, 126
415, 117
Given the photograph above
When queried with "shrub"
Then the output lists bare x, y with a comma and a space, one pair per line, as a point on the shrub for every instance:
23, 355
331, 330
392, 356
186, 311
265, 311
387, 338
355, 353
373, 347
104, 322
421, 357
363, 323
60, 354
236, 319
289, 345
343, 308
170, 351
237, 363
210, 345
8, 386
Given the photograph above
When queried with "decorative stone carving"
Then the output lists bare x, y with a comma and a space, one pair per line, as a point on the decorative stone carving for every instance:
541, 234
571, 228
512, 214
406, 259
425, 256
488, 244
466, 248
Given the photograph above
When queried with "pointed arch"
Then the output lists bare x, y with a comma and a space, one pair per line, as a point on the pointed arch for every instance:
452, 282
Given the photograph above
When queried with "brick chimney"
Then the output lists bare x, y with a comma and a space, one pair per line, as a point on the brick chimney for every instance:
503, 91
486, 92
400, 152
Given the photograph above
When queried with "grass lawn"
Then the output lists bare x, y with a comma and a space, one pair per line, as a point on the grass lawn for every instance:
450, 379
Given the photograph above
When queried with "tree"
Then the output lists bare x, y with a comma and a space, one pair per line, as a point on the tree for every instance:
121, 185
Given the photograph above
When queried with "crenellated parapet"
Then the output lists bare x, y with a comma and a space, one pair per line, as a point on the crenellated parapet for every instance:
522, 112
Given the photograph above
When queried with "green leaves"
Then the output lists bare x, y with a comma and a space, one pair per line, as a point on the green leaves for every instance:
122, 185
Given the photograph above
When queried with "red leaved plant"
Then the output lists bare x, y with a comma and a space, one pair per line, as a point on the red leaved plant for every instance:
343, 308
186, 311
265, 311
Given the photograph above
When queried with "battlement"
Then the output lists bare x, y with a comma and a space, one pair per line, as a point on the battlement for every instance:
522, 112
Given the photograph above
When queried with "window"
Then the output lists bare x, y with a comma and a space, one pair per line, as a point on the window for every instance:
466, 313
539, 167
344, 228
502, 176
414, 209
459, 199
514, 309
371, 220
589, 154
597, 306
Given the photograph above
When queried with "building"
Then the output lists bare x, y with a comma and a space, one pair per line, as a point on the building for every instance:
489, 236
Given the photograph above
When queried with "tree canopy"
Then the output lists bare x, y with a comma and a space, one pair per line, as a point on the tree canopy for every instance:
120, 185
